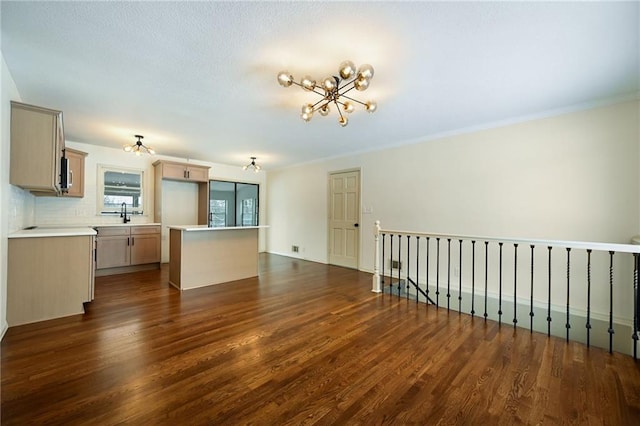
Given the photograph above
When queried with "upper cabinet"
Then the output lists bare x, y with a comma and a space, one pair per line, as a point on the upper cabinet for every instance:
76, 172
37, 149
182, 171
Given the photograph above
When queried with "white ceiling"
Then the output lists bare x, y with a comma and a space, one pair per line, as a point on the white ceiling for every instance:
198, 79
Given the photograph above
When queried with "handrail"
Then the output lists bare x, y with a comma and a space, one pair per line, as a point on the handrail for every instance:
619, 248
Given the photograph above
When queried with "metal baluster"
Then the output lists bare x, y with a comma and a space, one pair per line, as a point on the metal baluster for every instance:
588, 325
486, 276
568, 325
531, 314
460, 279
391, 266
399, 264
515, 284
473, 277
418, 268
635, 305
427, 271
549, 299
448, 271
382, 284
408, 268
611, 331
437, 272
500, 288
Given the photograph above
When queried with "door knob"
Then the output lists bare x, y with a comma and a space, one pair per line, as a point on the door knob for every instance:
356, 225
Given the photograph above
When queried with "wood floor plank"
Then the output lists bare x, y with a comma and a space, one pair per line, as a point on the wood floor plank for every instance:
305, 343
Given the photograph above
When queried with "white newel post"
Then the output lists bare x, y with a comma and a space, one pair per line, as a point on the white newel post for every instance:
376, 266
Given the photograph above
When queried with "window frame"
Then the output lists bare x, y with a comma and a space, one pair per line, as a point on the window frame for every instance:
134, 210
235, 203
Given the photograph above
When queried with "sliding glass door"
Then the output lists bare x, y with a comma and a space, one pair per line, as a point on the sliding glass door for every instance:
233, 204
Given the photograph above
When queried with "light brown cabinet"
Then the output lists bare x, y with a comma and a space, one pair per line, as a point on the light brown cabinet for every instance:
121, 249
182, 171
76, 172
168, 170
48, 277
37, 144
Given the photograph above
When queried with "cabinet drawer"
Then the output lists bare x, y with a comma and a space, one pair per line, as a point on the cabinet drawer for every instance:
141, 230
113, 231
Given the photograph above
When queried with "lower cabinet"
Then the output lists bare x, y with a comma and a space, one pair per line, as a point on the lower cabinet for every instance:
121, 249
48, 277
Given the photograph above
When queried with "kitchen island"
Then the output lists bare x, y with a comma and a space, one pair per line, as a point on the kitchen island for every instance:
200, 255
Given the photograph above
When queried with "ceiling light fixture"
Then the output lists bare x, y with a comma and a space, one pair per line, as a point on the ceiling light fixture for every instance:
333, 90
256, 167
138, 148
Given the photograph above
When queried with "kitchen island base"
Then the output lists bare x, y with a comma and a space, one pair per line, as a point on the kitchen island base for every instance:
201, 256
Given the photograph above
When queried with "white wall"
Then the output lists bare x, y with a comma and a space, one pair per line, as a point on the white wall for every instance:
571, 177
15, 205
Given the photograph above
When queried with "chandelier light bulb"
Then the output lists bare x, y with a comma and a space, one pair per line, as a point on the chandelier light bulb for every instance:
329, 84
308, 83
371, 106
333, 90
127, 148
361, 84
285, 79
348, 107
347, 70
366, 71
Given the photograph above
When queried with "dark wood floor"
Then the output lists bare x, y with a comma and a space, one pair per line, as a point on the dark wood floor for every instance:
306, 343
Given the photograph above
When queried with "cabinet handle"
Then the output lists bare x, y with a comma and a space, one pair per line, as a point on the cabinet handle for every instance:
127, 241
71, 177
133, 240
184, 174
188, 174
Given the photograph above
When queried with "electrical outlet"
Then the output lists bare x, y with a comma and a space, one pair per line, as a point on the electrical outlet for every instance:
295, 249
396, 264
456, 271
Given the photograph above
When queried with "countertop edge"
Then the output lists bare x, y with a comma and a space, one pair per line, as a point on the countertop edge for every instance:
57, 232
197, 228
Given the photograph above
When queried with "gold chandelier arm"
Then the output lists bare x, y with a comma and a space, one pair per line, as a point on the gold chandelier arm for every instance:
316, 91
352, 99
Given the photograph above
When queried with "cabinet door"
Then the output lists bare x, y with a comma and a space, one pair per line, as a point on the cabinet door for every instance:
76, 173
198, 174
112, 252
145, 248
37, 141
174, 171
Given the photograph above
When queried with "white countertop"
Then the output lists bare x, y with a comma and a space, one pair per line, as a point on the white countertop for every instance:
109, 225
53, 232
190, 228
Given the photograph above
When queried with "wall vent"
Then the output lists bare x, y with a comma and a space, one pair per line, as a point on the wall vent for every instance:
396, 264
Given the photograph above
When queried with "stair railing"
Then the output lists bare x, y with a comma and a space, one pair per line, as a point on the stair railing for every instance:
577, 281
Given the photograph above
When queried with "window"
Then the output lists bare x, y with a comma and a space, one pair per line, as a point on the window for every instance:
218, 213
233, 204
120, 186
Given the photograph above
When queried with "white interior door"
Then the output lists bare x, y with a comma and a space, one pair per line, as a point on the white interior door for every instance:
344, 218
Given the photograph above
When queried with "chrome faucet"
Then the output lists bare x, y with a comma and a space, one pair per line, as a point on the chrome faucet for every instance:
123, 213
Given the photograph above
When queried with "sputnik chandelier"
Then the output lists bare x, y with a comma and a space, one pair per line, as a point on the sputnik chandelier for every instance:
138, 148
333, 90
252, 164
